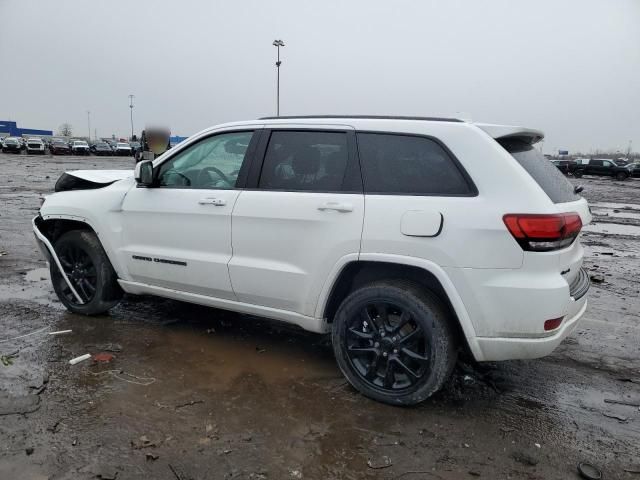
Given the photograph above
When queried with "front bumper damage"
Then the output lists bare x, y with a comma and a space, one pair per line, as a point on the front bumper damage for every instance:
50, 254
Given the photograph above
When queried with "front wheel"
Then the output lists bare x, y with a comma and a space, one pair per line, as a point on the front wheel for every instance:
621, 176
577, 173
88, 268
394, 343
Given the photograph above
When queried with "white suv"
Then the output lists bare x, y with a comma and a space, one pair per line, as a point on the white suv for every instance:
409, 239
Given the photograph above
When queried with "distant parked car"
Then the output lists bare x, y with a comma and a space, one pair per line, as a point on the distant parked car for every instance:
123, 149
565, 166
101, 148
11, 144
59, 147
80, 147
35, 145
602, 167
634, 168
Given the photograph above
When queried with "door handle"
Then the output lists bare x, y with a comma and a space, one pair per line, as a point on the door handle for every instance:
218, 202
337, 206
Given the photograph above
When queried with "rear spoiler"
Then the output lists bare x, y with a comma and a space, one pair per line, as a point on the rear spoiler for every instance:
504, 132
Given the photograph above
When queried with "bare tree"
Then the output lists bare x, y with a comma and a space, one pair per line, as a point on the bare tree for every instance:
66, 130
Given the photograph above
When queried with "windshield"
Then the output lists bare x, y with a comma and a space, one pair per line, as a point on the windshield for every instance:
80, 142
545, 173
11, 140
124, 145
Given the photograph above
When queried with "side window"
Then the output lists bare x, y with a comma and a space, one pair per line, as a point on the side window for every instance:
406, 164
607, 164
305, 161
212, 163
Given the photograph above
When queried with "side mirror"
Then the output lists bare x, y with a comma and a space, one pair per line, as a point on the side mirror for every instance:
144, 173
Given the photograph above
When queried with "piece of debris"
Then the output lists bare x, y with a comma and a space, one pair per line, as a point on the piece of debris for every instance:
473, 473
175, 472
60, 332
188, 404
79, 359
615, 416
103, 357
524, 458
634, 469
19, 405
142, 442
151, 456
588, 471
108, 474
74, 442
211, 330
260, 349
3, 253
29, 450
597, 278
378, 463
7, 360
296, 474
629, 403
537, 445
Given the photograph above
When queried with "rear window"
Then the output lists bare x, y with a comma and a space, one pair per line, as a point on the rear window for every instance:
547, 175
409, 165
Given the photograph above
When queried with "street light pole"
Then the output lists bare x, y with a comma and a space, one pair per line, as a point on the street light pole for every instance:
278, 44
131, 97
89, 123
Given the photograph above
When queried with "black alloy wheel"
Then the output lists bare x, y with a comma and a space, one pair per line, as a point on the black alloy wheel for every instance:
387, 347
80, 271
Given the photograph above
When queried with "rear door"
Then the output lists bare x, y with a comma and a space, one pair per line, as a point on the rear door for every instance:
301, 217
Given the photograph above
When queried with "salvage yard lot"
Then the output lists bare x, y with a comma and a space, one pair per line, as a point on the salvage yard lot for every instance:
199, 393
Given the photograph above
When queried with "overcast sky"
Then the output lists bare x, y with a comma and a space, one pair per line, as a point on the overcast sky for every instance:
568, 67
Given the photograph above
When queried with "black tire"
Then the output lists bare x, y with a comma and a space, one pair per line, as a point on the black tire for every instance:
88, 267
621, 176
577, 173
425, 340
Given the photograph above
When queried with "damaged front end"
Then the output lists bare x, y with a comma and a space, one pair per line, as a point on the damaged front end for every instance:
50, 254
89, 179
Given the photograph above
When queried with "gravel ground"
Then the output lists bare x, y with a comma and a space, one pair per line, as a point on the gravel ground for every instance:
198, 393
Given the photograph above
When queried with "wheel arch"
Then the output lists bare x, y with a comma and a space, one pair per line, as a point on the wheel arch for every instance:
53, 226
374, 267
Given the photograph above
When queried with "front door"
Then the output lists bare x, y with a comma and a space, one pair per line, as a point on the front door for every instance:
177, 234
302, 217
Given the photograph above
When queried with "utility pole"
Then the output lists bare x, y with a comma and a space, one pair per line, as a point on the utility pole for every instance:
278, 44
89, 123
131, 97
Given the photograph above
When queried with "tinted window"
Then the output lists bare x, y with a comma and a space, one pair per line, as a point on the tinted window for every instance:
315, 161
554, 184
595, 163
212, 163
408, 164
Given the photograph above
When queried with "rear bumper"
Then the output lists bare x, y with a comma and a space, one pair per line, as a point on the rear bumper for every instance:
495, 349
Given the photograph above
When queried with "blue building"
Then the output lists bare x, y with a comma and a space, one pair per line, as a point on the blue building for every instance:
11, 129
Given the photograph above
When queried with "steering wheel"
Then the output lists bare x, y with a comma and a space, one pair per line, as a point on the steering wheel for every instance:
206, 170
187, 180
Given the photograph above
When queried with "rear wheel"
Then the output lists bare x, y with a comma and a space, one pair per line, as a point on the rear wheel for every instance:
86, 265
393, 342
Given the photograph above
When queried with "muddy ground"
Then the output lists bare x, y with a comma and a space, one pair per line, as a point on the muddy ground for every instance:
198, 393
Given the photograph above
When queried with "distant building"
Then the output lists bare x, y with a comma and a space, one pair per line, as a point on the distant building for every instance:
11, 129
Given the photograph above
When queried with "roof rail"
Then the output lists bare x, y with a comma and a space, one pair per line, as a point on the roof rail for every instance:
365, 117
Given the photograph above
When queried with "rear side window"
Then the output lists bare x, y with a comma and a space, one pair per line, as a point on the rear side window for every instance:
410, 165
547, 175
305, 161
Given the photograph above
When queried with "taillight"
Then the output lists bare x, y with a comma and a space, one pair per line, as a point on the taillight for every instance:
542, 233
